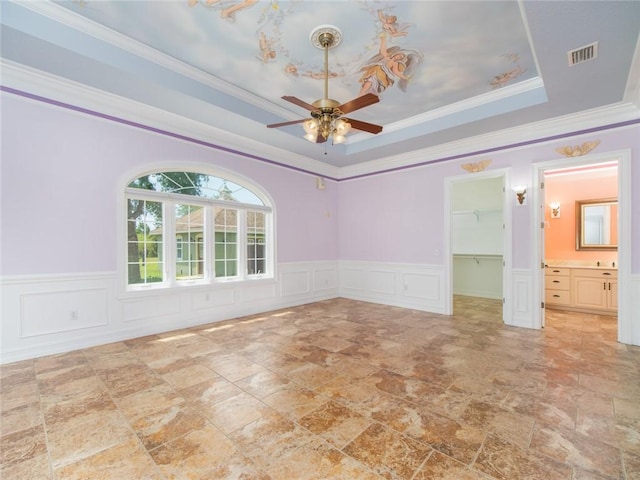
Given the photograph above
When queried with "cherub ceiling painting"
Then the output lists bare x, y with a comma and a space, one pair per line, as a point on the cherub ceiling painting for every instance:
407, 52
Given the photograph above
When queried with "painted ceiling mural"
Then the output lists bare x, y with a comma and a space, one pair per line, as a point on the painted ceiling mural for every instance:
417, 56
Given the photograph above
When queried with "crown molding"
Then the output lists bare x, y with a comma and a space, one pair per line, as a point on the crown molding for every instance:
88, 100
111, 37
632, 90
507, 92
567, 125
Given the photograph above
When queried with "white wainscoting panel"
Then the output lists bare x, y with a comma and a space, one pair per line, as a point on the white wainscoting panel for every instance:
311, 280
254, 293
220, 297
45, 314
380, 281
522, 291
295, 283
61, 311
49, 314
403, 285
326, 279
423, 286
351, 279
158, 305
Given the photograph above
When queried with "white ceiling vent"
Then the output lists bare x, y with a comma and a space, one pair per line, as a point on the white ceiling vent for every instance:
583, 54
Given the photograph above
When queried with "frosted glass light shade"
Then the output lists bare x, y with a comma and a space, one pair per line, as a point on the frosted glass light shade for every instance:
311, 126
342, 127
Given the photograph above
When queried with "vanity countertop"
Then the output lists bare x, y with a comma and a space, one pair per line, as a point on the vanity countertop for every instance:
557, 264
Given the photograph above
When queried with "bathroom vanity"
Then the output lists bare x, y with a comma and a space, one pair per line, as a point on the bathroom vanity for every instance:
585, 289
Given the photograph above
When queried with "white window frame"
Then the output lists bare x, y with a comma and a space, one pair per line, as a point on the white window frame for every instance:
169, 247
179, 248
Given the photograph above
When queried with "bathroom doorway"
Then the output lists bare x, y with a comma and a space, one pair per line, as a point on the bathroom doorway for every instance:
563, 183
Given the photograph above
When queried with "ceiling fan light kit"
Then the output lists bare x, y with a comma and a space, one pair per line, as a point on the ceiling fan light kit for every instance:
327, 114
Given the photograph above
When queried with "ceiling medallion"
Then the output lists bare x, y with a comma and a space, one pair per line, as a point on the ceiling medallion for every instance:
327, 115
325, 35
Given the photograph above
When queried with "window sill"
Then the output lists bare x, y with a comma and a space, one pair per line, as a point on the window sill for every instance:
193, 286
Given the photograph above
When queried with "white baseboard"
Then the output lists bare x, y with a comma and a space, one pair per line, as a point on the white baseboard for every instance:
49, 314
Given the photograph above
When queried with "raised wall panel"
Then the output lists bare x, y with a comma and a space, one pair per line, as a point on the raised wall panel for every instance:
261, 292
403, 285
381, 282
61, 311
352, 279
213, 299
325, 279
92, 309
522, 299
155, 306
422, 286
295, 283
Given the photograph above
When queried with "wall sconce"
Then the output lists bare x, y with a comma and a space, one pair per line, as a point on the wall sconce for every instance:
320, 185
555, 209
521, 194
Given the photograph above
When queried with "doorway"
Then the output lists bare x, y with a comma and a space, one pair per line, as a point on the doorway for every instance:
476, 238
561, 184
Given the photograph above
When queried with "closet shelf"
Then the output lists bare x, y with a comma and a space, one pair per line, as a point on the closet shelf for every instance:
477, 213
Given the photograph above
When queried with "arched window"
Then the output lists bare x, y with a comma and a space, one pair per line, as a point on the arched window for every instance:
195, 228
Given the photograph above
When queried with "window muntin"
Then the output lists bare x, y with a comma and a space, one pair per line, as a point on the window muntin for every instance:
201, 227
226, 242
144, 248
256, 254
179, 248
198, 184
189, 228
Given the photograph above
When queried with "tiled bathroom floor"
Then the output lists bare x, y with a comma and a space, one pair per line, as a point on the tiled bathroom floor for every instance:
334, 390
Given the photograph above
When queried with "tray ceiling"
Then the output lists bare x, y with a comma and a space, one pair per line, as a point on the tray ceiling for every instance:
461, 69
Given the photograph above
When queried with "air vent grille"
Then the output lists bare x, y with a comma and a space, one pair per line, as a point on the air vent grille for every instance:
583, 54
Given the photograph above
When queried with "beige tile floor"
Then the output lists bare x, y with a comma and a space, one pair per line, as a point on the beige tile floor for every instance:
334, 390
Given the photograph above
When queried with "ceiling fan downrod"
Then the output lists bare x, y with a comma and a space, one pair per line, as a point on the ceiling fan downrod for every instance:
326, 40
326, 114
326, 37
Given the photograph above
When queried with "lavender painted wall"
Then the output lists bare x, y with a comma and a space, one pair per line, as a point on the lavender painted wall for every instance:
62, 173
399, 216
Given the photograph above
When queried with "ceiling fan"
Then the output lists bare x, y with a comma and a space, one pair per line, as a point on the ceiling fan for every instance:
327, 115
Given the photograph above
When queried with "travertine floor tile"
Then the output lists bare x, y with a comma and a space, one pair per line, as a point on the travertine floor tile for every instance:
578, 450
338, 389
82, 439
441, 467
506, 461
335, 423
387, 452
124, 460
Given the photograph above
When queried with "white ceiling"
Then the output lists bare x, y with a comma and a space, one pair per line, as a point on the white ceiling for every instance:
474, 67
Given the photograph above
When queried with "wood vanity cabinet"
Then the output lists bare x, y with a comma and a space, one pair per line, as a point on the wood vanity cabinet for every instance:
557, 286
584, 289
595, 289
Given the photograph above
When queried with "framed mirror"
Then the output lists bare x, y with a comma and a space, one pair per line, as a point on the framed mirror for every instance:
597, 224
